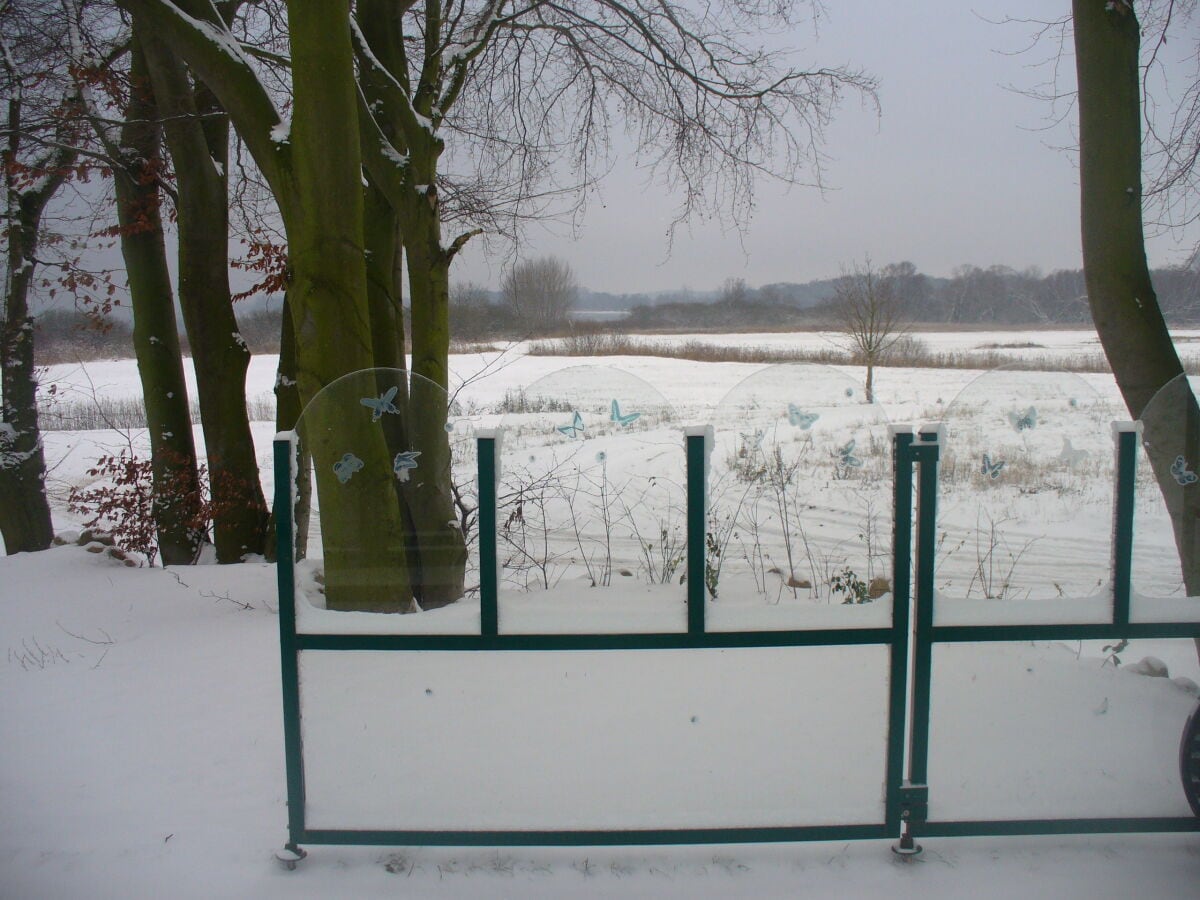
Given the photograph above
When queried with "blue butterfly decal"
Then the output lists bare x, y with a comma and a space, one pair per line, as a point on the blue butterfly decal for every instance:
991, 469
846, 457
751, 442
1070, 455
799, 418
381, 405
1024, 421
1182, 473
404, 463
623, 420
575, 429
345, 467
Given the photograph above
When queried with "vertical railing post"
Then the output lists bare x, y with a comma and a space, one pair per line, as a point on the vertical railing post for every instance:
489, 584
929, 452
698, 440
913, 793
1125, 434
902, 500
289, 658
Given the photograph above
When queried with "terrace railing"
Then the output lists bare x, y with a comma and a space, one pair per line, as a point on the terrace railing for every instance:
358, 764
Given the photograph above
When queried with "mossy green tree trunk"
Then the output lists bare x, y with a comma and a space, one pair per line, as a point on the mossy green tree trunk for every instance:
155, 332
360, 520
406, 121
197, 135
429, 493
1124, 307
313, 165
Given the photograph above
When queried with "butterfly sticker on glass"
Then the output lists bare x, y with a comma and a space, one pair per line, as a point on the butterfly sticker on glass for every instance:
846, 457
1182, 473
801, 419
751, 442
575, 429
626, 419
345, 467
1024, 421
1070, 455
991, 469
382, 404
404, 463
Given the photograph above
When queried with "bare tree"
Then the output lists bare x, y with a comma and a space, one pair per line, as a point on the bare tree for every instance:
37, 160
1124, 306
733, 292
469, 295
870, 315
541, 293
523, 92
473, 315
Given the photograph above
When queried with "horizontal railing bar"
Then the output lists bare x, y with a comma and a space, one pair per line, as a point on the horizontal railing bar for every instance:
1094, 631
1002, 827
650, 641
600, 838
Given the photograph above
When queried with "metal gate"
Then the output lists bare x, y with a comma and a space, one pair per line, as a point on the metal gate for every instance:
908, 641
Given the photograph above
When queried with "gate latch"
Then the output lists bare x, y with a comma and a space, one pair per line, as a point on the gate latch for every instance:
914, 803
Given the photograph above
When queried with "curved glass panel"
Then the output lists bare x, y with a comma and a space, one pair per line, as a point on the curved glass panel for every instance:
1167, 508
799, 522
591, 509
1025, 501
389, 468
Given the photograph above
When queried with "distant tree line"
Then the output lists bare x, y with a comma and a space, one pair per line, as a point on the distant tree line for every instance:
538, 297
67, 336
971, 295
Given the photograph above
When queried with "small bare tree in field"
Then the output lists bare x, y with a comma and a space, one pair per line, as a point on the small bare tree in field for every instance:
871, 315
541, 293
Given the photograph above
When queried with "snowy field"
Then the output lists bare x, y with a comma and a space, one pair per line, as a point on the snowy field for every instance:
143, 751
1017, 344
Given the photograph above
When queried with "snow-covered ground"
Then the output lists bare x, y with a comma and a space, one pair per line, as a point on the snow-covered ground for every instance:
142, 751
143, 757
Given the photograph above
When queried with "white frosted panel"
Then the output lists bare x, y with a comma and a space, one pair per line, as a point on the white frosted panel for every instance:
577, 740
1024, 732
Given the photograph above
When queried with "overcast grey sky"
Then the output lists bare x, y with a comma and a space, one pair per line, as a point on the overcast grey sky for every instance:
957, 169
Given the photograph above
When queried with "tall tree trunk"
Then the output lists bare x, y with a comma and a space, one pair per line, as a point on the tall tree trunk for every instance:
430, 496
361, 524
381, 236
155, 333
25, 521
197, 134
315, 171
1124, 306
24, 512
439, 564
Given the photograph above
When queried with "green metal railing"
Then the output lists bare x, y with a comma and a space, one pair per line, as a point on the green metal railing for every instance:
909, 639
929, 633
